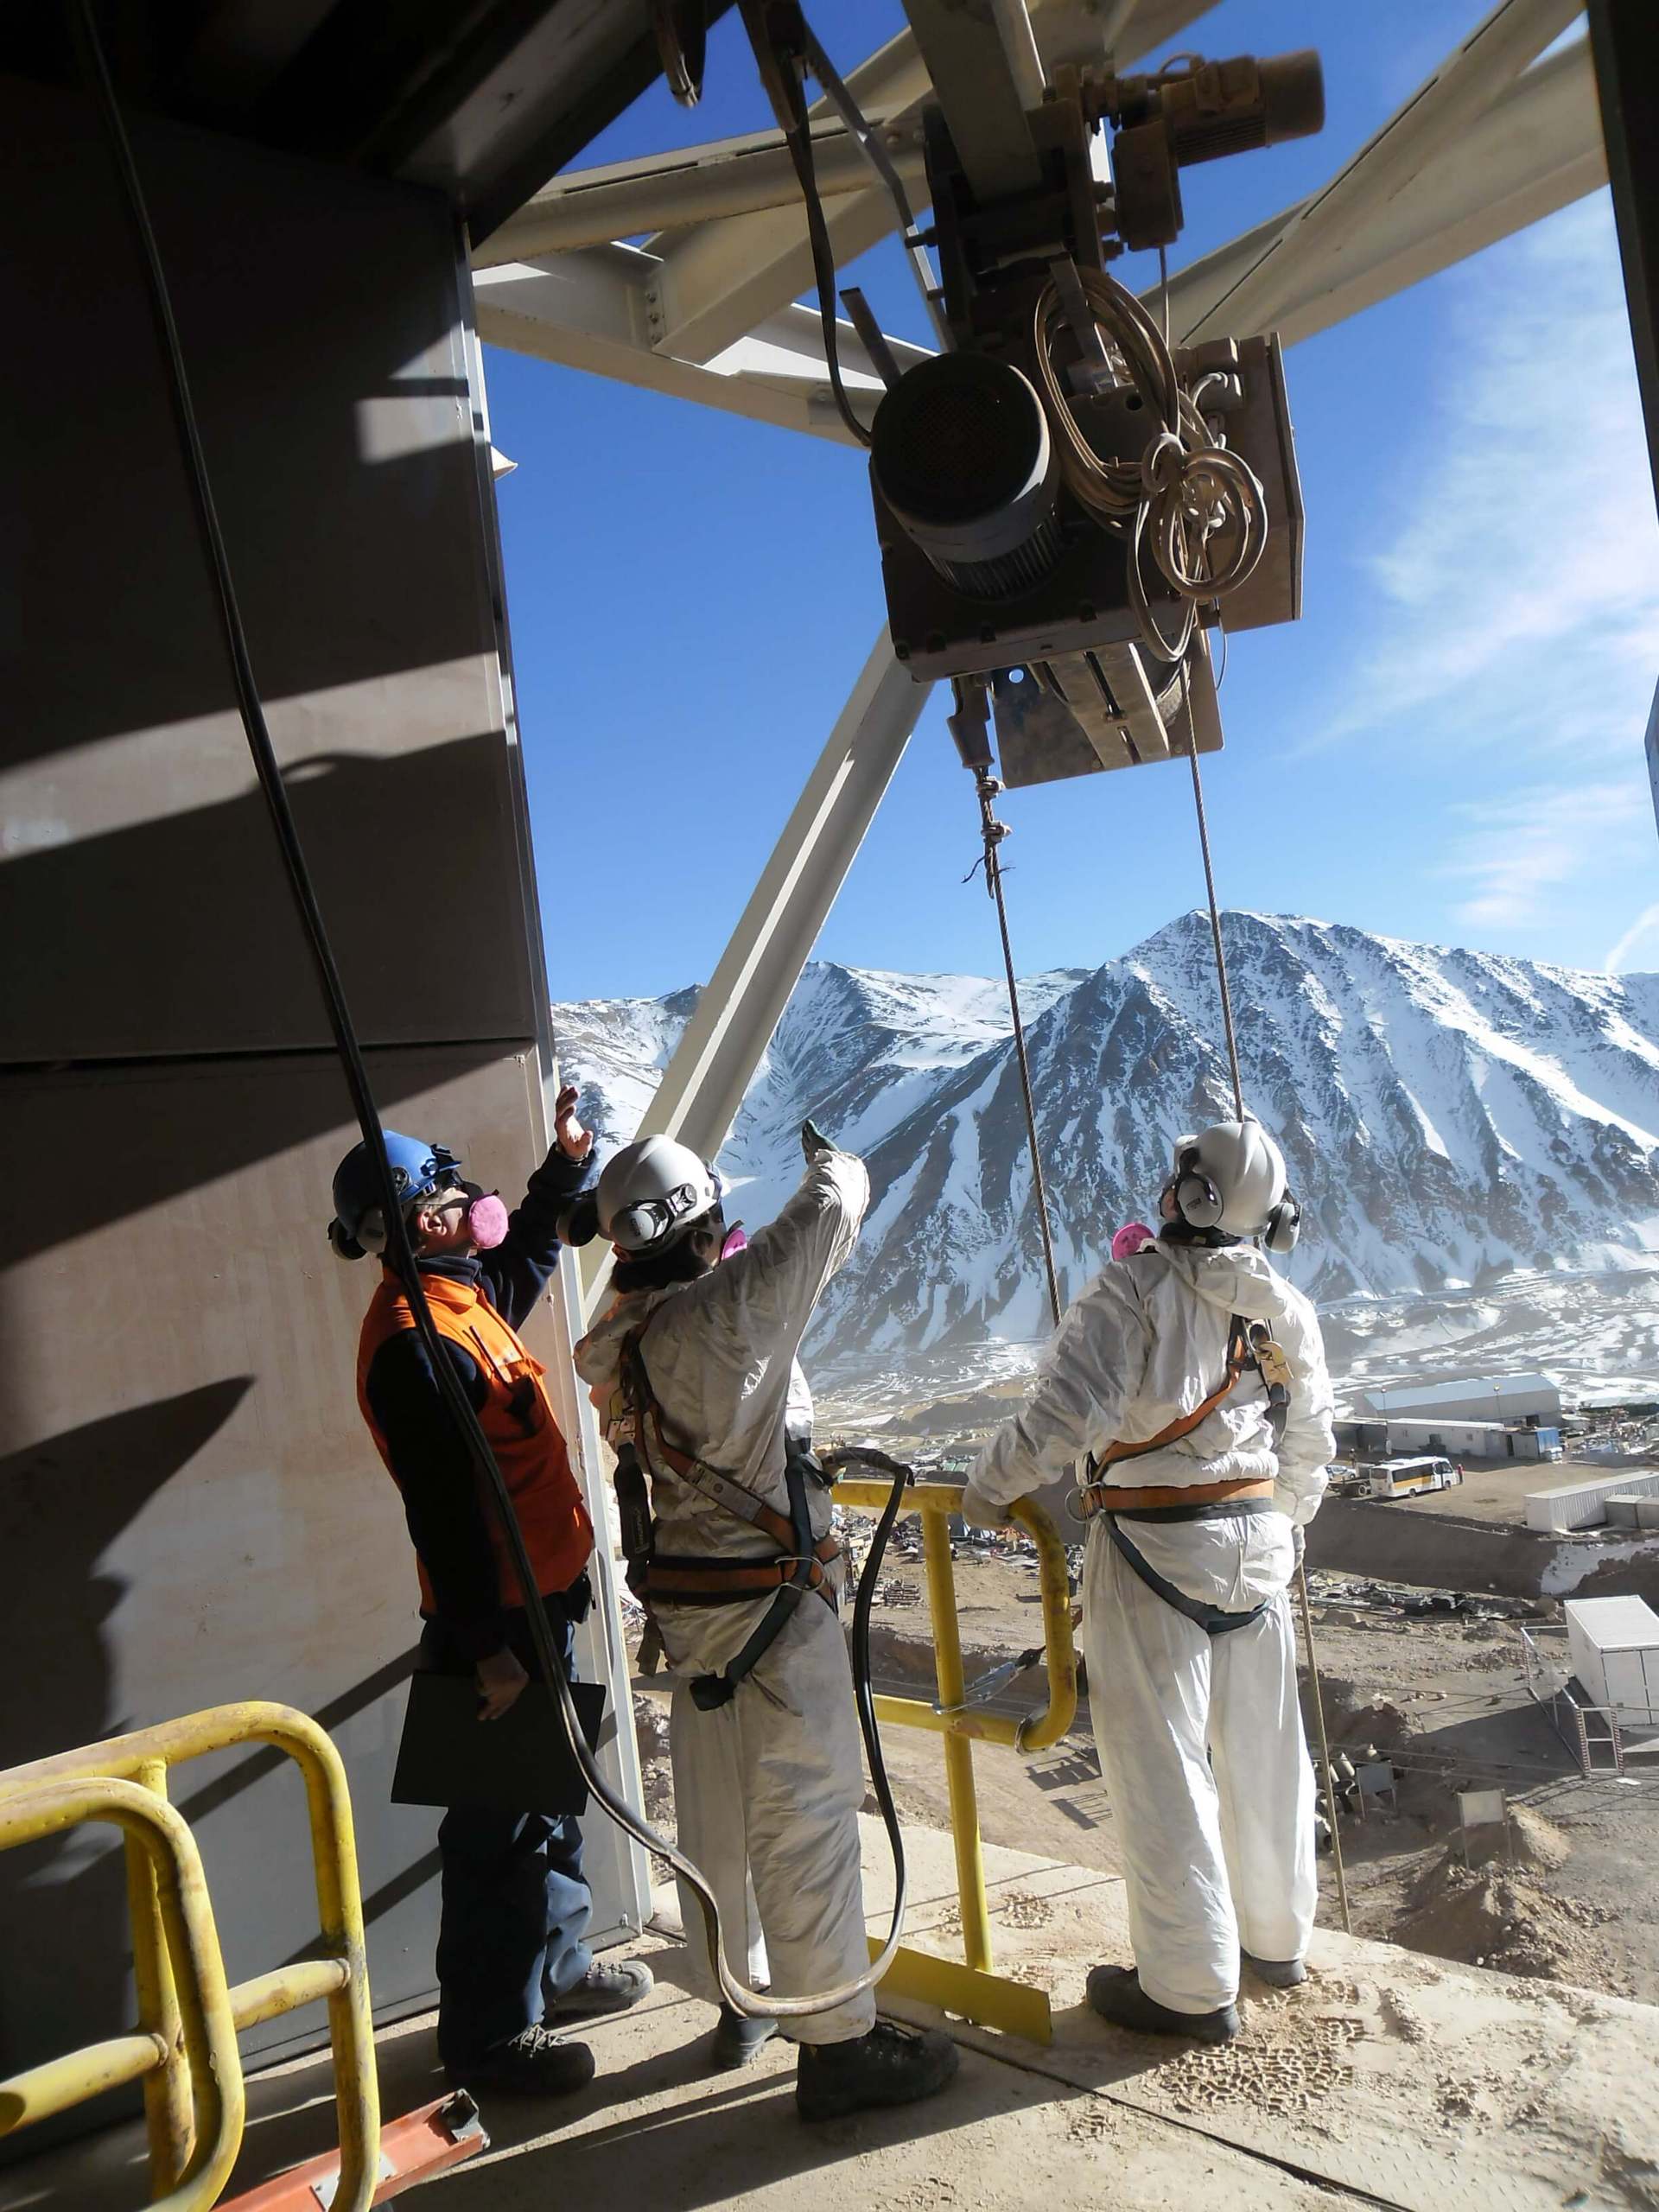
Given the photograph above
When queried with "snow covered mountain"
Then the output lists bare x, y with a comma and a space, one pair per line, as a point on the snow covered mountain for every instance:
1449, 1117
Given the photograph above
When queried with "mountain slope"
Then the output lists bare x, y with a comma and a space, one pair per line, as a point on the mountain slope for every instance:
1448, 1115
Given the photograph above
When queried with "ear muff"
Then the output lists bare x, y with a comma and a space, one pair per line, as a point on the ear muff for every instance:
1284, 1225
635, 1227
343, 1246
1198, 1201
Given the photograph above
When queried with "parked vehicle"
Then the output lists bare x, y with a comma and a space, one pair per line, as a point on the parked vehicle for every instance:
1412, 1477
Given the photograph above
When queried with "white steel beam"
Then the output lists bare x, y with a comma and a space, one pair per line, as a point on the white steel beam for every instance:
667, 191
1331, 230
985, 73
719, 279
726, 1039
591, 310
1537, 147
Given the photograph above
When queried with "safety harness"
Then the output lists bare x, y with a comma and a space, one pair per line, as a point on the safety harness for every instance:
795, 1566
1251, 1348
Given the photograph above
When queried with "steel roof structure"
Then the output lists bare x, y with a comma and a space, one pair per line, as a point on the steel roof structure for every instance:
1502, 134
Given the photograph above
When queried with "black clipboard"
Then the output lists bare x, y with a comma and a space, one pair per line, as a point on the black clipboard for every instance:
521, 1762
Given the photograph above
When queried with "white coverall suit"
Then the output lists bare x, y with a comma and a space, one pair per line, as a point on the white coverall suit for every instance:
1200, 1736
766, 1787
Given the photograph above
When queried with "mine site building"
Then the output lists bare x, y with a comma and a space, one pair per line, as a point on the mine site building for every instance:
1615, 1647
1460, 1439
1503, 1398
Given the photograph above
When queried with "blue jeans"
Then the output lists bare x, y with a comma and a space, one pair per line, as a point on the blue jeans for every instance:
516, 1903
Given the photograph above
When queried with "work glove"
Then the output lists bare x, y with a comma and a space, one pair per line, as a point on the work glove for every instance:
814, 1143
979, 1512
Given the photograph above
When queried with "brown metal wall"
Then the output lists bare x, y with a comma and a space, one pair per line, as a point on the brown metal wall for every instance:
188, 1509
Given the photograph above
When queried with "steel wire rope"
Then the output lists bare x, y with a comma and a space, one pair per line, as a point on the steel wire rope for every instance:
752, 2003
993, 832
1315, 1688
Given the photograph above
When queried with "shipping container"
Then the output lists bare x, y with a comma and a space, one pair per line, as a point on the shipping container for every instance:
1583, 1504
1614, 1643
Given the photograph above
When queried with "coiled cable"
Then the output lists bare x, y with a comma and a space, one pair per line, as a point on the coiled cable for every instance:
1196, 507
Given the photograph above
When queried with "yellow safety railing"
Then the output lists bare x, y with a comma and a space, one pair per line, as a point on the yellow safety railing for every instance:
185, 2051
975, 1992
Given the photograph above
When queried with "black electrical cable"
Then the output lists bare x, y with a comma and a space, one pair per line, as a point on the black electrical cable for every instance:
400, 1253
780, 72
863, 1689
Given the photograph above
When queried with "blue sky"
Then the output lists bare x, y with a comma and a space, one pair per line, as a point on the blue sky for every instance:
1448, 747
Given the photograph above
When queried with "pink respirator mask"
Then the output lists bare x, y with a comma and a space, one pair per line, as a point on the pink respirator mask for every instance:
736, 1240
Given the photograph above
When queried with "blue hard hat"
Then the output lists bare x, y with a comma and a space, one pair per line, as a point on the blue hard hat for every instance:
417, 1168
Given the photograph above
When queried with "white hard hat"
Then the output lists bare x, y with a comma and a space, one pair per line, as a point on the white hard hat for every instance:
651, 1192
1232, 1178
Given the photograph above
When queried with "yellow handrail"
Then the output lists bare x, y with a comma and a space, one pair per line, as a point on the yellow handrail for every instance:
962, 1725
1038, 1730
174, 2045
35, 1807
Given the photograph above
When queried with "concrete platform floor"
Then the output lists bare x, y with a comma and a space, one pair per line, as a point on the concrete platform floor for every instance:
1388, 2079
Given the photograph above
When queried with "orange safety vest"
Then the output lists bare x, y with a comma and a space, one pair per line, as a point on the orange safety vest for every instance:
516, 1416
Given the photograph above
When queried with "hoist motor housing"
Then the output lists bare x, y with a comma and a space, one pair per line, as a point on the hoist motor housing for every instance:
997, 572
989, 563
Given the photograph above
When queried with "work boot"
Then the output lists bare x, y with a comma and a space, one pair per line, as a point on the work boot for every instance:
1277, 1974
889, 2066
1116, 1994
604, 1988
533, 2064
738, 2041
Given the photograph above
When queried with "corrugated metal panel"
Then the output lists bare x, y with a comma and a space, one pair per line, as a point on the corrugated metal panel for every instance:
1616, 1623
1583, 1504
1505, 1398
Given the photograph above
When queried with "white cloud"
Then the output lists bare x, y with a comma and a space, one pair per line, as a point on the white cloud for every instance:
1521, 850
1646, 923
1518, 599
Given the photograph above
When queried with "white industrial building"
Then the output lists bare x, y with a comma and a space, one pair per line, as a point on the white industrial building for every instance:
1493, 1397
1459, 1439
1615, 1647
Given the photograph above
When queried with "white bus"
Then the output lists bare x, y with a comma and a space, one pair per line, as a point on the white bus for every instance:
1414, 1477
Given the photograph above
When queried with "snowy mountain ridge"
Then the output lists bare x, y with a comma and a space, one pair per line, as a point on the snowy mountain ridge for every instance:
1449, 1116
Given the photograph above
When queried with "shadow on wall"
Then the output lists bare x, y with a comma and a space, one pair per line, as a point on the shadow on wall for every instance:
185, 941
65, 1502
113, 625
62, 1504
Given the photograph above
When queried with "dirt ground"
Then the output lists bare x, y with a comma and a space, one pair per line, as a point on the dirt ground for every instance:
1570, 1894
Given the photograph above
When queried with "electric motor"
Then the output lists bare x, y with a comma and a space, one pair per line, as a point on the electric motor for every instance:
961, 455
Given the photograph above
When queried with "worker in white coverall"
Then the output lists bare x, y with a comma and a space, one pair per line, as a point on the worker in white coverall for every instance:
1195, 1535
695, 1365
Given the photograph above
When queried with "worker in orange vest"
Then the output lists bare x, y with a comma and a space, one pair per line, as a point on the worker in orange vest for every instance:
513, 1966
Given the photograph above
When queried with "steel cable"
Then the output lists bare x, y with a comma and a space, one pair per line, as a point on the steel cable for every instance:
992, 833
1315, 1689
